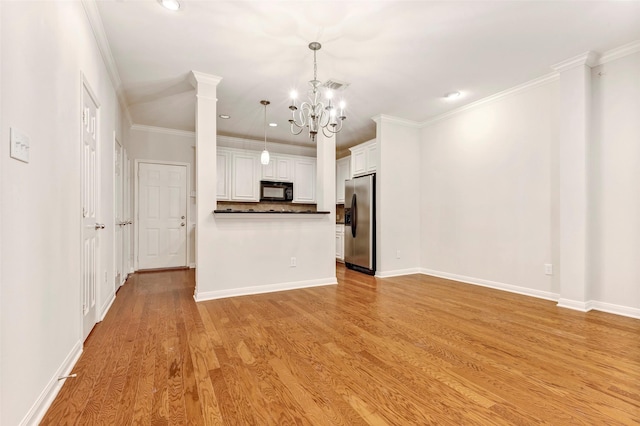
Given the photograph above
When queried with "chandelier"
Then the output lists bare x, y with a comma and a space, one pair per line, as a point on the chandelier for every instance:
316, 114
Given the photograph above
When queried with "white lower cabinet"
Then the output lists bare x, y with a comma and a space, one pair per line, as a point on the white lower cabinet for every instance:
340, 242
304, 180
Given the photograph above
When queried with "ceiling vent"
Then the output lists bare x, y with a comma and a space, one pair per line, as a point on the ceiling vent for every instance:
335, 85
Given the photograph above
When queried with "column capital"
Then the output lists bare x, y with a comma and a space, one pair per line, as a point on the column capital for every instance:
197, 77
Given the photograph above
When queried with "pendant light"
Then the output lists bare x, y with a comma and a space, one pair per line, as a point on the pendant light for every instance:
264, 157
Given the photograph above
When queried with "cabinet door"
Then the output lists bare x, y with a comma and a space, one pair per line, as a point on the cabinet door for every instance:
304, 183
340, 242
223, 174
269, 170
245, 184
284, 169
358, 162
343, 167
372, 158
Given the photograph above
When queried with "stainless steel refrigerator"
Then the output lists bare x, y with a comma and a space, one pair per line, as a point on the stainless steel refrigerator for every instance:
360, 224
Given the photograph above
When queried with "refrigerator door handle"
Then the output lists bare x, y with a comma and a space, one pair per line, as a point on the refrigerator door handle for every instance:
354, 215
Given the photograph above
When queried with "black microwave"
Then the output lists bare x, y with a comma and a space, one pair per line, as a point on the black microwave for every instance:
276, 191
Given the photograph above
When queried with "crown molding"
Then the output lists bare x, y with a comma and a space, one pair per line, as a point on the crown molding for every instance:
382, 118
619, 52
512, 91
587, 58
95, 22
163, 130
273, 147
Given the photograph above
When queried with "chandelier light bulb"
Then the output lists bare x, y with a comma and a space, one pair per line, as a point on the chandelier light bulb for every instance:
343, 104
329, 94
293, 95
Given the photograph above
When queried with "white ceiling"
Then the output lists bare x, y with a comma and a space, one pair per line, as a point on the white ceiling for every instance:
400, 57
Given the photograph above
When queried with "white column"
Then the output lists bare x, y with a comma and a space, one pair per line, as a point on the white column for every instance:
206, 146
574, 130
326, 197
326, 173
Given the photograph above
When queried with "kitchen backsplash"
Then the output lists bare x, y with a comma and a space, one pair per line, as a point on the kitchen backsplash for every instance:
265, 207
339, 213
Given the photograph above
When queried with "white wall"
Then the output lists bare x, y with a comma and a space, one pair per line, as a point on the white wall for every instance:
45, 48
398, 196
486, 192
614, 170
156, 144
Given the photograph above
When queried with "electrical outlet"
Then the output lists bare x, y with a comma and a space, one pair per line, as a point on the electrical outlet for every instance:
293, 262
397, 254
548, 269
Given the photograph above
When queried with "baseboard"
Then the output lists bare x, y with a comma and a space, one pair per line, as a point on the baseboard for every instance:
576, 305
271, 288
106, 307
192, 265
610, 308
397, 272
44, 401
493, 284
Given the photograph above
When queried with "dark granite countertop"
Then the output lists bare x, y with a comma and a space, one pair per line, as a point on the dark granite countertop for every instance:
251, 211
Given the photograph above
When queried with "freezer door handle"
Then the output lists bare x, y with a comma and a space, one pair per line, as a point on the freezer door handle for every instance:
354, 215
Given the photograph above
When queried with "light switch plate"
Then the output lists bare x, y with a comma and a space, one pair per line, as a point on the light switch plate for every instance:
19, 145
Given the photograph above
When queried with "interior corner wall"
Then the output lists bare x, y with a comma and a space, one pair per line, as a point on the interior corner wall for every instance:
147, 144
614, 182
46, 48
488, 212
398, 194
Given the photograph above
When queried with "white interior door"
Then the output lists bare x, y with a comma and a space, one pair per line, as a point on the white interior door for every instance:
118, 214
127, 252
162, 216
90, 226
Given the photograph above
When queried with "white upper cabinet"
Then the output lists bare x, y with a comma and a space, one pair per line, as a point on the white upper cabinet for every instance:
239, 173
304, 182
343, 172
280, 169
223, 160
364, 158
245, 182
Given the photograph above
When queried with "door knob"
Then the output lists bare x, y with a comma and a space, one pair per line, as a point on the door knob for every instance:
182, 224
182, 217
99, 226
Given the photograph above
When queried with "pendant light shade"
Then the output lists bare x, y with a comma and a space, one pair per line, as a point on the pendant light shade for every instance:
264, 157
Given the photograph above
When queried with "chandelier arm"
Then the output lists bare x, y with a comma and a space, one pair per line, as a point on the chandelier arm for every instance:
298, 132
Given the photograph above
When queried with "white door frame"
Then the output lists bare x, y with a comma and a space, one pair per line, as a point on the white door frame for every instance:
136, 219
84, 84
116, 141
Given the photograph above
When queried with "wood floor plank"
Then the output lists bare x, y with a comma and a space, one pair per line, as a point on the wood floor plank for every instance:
405, 350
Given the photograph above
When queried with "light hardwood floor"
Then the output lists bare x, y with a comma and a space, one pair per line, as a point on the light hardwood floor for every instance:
411, 350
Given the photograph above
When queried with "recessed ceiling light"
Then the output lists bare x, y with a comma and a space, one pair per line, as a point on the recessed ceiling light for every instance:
170, 4
224, 116
452, 95
273, 124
